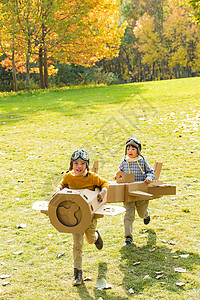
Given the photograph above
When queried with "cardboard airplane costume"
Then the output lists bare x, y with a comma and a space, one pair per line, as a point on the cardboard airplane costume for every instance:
71, 211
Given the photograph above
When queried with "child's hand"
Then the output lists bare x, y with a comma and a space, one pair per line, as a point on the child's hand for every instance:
101, 195
148, 180
59, 188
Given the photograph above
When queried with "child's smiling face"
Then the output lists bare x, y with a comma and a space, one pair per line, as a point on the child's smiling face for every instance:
79, 167
131, 151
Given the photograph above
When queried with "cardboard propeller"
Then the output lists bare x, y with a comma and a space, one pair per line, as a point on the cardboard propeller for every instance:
71, 211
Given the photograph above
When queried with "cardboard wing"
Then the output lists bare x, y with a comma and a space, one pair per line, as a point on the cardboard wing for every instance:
125, 189
109, 210
135, 191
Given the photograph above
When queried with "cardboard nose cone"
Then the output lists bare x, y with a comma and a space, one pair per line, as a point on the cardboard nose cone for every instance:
71, 211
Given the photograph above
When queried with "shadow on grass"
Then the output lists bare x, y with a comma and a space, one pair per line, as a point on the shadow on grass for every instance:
99, 294
69, 102
141, 266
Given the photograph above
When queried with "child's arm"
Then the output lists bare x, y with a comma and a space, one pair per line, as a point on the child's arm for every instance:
63, 183
103, 184
102, 194
149, 172
121, 168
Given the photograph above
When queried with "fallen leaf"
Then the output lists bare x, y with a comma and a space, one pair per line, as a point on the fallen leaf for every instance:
172, 242
152, 250
175, 249
180, 270
60, 254
186, 210
154, 247
146, 277
184, 255
180, 283
102, 284
4, 276
131, 291
87, 278
18, 252
20, 180
21, 226
136, 263
159, 276
164, 241
155, 216
6, 283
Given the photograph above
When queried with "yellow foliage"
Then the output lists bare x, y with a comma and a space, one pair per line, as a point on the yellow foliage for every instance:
72, 31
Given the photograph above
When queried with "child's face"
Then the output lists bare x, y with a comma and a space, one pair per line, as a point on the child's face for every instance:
79, 167
131, 151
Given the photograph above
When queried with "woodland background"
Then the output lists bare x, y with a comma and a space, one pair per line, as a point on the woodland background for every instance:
55, 43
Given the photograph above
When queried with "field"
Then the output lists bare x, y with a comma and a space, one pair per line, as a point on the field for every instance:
39, 132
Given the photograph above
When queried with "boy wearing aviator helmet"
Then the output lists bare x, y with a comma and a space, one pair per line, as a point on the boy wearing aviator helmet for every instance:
79, 177
136, 164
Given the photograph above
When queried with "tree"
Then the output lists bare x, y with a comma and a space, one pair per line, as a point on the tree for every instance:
8, 39
182, 41
150, 45
160, 42
72, 31
195, 4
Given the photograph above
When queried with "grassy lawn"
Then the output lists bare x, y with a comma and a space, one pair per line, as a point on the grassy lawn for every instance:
39, 132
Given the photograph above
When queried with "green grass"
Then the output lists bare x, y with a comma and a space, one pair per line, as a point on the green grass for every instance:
40, 130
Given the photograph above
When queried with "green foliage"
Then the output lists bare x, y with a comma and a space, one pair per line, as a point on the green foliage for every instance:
80, 75
196, 9
40, 130
160, 42
5, 80
22, 85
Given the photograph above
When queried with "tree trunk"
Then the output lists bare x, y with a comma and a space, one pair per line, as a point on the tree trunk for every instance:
14, 76
28, 87
46, 82
41, 68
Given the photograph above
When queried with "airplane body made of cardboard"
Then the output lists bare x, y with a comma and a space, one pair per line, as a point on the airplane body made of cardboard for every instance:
71, 211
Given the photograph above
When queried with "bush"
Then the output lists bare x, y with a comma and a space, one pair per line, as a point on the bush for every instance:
5, 80
21, 84
80, 75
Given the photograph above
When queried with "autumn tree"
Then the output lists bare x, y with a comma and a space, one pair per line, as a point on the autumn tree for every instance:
129, 64
78, 31
150, 45
160, 42
182, 41
195, 4
8, 39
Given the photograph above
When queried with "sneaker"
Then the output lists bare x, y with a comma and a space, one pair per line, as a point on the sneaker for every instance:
99, 242
128, 241
147, 219
77, 277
